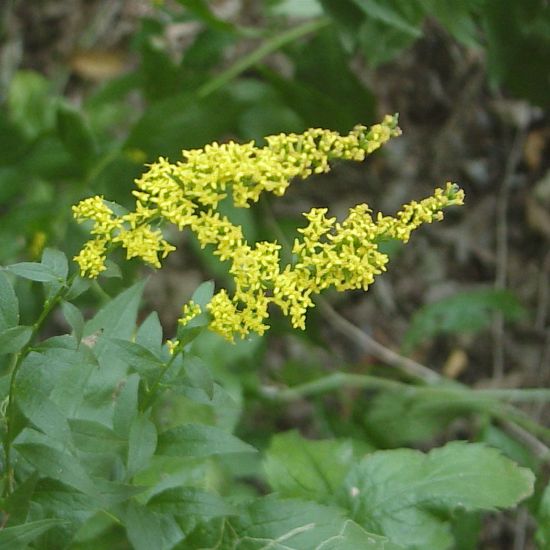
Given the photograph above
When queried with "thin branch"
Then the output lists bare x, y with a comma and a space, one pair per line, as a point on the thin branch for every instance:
370, 345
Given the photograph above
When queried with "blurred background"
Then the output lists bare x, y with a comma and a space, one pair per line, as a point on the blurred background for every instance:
91, 91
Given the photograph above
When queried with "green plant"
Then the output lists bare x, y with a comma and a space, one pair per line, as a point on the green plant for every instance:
113, 435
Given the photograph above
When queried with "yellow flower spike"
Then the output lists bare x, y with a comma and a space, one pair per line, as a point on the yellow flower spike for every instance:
343, 255
91, 258
189, 311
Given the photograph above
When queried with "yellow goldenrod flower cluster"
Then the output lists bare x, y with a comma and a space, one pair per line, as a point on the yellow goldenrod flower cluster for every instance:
343, 255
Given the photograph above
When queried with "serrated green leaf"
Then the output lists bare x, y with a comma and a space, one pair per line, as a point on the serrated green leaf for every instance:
75, 134
142, 443
468, 311
189, 501
93, 437
118, 318
74, 318
198, 440
59, 465
21, 535
147, 529
126, 406
34, 272
9, 305
395, 493
13, 339
301, 468
296, 525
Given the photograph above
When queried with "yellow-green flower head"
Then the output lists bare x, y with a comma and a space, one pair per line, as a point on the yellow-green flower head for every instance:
343, 255
189, 311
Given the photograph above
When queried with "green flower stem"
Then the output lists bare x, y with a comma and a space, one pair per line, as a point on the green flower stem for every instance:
271, 45
18, 359
483, 401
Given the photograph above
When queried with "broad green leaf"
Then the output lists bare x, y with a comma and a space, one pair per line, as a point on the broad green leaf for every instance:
34, 402
137, 357
543, 520
401, 493
74, 318
200, 9
289, 524
51, 462
395, 419
93, 437
57, 262
301, 468
13, 339
34, 271
17, 503
198, 440
29, 102
468, 311
118, 318
21, 535
147, 529
188, 501
142, 443
126, 406
9, 305
75, 134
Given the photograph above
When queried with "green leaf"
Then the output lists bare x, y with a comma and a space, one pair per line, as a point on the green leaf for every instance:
118, 318
188, 501
142, 443
78, 286
149, 334
289, 524
35, 404
51, 462
21, 535
198, 375
74, 318
393, 14
18, 503
301, 468
200, 9
34, 271
147, 530
93, 437
397, 493
13, 339
30, 102
9, 305
203, 294
57, 262
469, 311
543, 520
75, 134
137, 357
126, 406
197, 440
